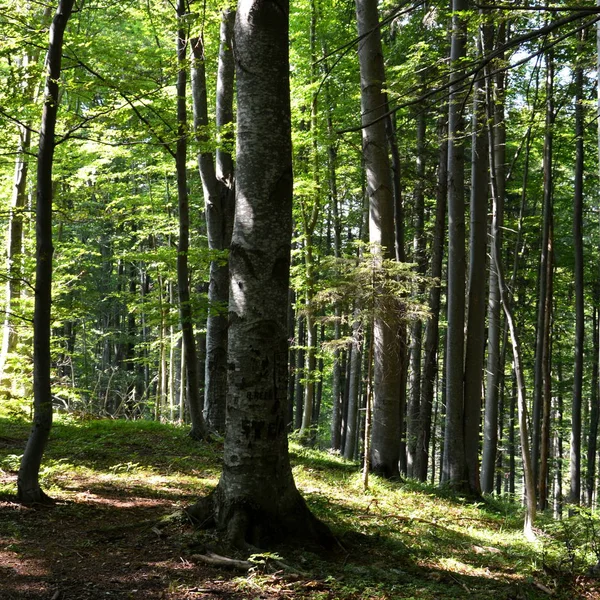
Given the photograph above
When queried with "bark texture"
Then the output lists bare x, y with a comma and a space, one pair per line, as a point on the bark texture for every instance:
256, 499
28, 486
385, 447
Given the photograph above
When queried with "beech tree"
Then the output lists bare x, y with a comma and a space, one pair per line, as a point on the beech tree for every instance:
256, 499
28, 485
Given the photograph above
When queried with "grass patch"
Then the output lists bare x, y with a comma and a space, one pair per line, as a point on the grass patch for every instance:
396, 540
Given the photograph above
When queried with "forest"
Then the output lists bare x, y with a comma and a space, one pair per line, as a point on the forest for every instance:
306, 291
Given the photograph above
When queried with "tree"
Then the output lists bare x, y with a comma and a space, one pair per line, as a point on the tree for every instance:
454, 470
256, 499
385, 447
29, 490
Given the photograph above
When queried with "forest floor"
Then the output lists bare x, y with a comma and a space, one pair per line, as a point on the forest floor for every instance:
109, 535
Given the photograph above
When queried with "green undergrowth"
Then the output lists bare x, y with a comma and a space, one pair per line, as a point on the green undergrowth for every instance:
397, 540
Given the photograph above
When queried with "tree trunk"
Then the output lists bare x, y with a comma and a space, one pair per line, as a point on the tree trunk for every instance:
454, 469
28, 486
413, 413
385, 447
198, 430
256, 499
575, 458
430, 367
592, 445
219, 194
475, 329
541, 332
353, 393
494, 358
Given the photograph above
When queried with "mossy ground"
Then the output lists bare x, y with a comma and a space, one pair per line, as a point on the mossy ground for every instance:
113, 482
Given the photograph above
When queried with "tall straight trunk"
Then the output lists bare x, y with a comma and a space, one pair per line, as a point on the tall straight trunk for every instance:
291, 358
430, 366
336, 384
516, 347
256, 499
413, 412
300, 352
454, 469
494, 365
541, 332
559, 449
475, 326
353, 393
219, 192
592, 445
28, 485
400, 254
198, 430
575, 457
310, 216
385, 447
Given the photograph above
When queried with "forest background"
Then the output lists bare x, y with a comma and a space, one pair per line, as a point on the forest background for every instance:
513, 88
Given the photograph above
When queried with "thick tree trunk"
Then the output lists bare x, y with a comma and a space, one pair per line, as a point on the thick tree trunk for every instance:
454, 469
256, 499
28, 486
385, 447
198, 430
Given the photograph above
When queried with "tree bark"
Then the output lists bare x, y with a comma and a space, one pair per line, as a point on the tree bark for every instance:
475, 326
256, 499
494, 357
28, 486
219, 192
454, 470
198, 430
385, 447
575, 458
430, 367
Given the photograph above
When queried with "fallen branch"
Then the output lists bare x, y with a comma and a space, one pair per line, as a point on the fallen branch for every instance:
216, 560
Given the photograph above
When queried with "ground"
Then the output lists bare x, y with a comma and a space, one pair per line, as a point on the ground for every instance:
118, 530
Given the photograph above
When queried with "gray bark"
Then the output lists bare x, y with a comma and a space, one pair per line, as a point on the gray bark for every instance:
351, 437
28, 486
256, 499
198, 430
475, 330
454, 471
575, 458
218, 185
413, 412
430, 366
385, 447
494, 359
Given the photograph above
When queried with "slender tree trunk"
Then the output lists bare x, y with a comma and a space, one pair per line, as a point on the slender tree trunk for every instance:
495, 363
592, 446
541, 332
300, 353
430, 367
256, 499
475, 329
385, 447
353, 393
28, 486
575, 458
198, 430
454, 469
413, 413
517, 360
218, 186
